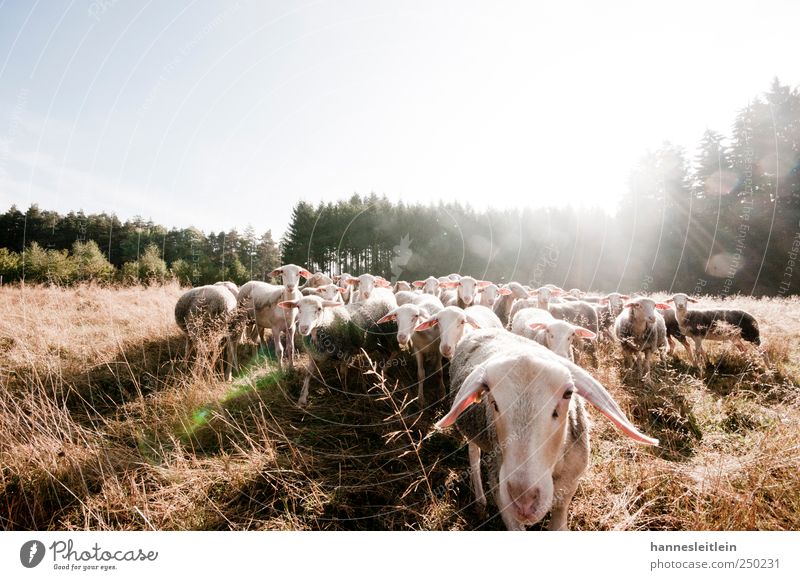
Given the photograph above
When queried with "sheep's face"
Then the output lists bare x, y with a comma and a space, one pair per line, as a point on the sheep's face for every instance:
681, 302
490, 294
329, 292
559, 337
402, 286
644, 309
366, 283
290, 275
452, 322
528, 398
407, 317
576, 293
318, 280
616, 301
544, 295
310, 312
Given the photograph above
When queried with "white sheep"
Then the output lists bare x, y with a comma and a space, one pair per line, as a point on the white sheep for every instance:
203, 311
466, 288
455, 322
366, 284
641, 331
423, 343
515, 402
491, 293
429, 285
557, 335
259, 303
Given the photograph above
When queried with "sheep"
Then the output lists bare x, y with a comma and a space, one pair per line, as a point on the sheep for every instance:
234, 289
466, 288
326, 291
205, 309
367, 284
259, 303
608, 308
318, 280
557, 335
674, 332
342, 281
290, 275
402, 286
717, 324
502, 306
423, 342
491, 293
454, 323
406, 297
515, 403
640, 329
429, 285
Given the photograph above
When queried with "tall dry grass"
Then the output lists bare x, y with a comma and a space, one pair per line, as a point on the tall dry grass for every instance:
104, 426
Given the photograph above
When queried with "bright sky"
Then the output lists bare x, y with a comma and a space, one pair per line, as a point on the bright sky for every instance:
223, 114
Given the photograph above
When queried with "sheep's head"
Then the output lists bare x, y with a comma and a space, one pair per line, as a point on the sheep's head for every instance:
681, 301
452, 322
366, 283
616, 302
560, 336
290, 275
644, 309
310, 312
529, 395
407, 317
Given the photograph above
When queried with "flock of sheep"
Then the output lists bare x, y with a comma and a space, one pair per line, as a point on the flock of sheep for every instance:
512, 354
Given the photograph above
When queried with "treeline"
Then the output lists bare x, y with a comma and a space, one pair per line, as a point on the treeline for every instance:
45, 246
725, 221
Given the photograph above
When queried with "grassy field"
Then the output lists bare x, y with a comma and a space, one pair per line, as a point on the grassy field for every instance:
104, 427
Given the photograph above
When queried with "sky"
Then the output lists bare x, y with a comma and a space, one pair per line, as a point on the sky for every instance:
225, 114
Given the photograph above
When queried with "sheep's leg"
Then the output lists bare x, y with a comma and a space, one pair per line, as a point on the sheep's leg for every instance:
276, 341
740, 345
670, 345
687, 346
189, 349
699, 353
558, 514
229, 360
290, 345
475, 473
440, 372
420, 379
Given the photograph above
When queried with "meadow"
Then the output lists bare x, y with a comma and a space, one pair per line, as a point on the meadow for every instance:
104, 426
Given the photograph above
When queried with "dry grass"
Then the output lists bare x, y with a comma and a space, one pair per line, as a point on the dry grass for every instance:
103, 426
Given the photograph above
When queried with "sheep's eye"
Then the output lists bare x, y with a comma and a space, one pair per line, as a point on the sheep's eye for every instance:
568, 394
494, 405
319, 310
555, 414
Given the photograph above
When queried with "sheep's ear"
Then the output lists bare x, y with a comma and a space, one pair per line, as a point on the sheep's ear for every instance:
503, 291
557, 292
276, 272
630, 304
450, 284
305, 273
693, 300
430, 323
530, 292
669, 300
381, 283
341, 290
470, 393
484, 283
537, 325
392, 315
585, 333
624, 296
662, 306
591, 390
603, 301
472, 322
288, 304
330, 303
418, 283
353, 281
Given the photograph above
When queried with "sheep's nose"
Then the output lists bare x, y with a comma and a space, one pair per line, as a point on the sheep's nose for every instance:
290, 287
447, 351
304, 330
651, 319
402, 339
525, 502
467, 299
